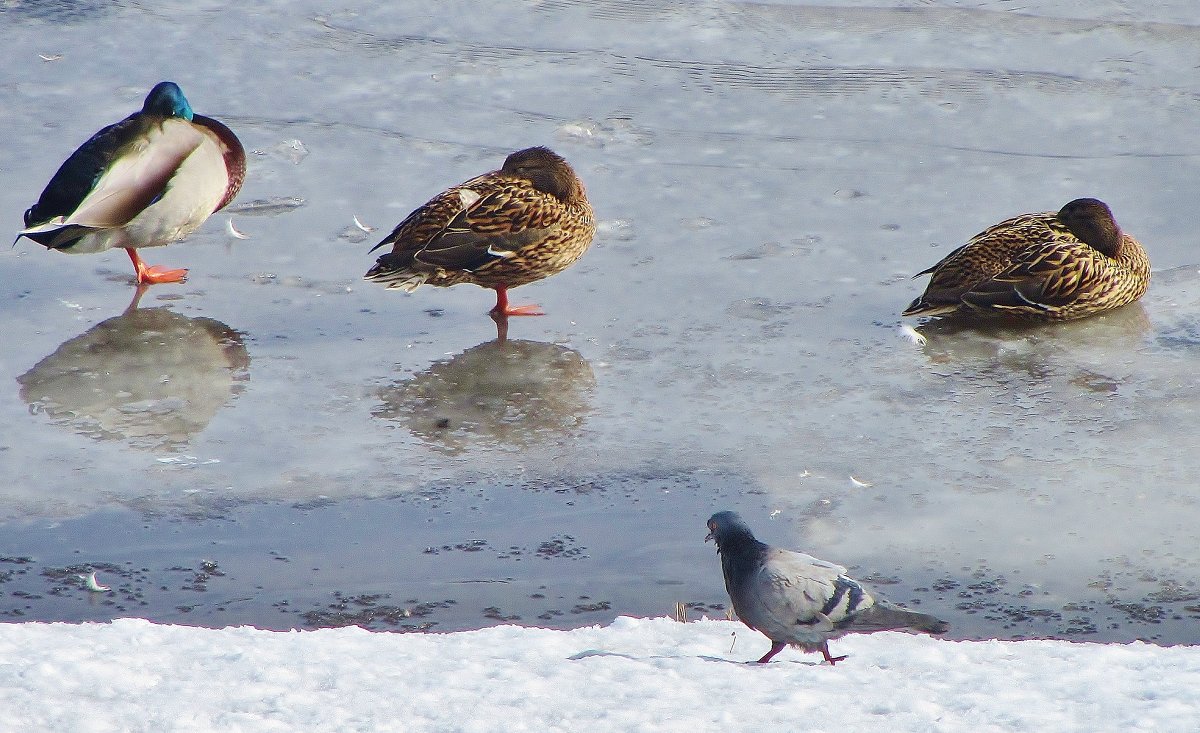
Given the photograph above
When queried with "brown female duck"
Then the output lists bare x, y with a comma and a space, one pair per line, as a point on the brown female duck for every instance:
528, 220
1049, 266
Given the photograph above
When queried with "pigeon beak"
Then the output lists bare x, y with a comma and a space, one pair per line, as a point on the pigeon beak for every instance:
709, 536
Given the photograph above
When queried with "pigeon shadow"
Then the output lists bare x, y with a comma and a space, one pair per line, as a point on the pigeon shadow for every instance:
589, 653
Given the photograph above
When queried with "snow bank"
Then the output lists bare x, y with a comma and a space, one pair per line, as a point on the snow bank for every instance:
635, 675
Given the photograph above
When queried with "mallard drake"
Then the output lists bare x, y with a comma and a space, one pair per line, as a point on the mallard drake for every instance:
148, 180
1048, 266
528, 220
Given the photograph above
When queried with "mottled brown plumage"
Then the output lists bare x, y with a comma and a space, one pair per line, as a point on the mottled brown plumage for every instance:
1060, 265
528, 220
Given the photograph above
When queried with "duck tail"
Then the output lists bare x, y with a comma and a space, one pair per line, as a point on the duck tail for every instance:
395, 272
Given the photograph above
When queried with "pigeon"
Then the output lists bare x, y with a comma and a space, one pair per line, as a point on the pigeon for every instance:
797, 599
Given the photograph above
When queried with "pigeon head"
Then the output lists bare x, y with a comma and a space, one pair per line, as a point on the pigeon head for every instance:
729, 532
166, 99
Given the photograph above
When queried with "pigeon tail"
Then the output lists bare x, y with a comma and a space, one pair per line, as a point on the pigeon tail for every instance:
882, 617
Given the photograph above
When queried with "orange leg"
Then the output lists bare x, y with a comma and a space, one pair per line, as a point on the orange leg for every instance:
154, 274
504, 309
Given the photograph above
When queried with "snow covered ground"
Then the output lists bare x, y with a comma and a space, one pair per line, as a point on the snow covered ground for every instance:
634, 675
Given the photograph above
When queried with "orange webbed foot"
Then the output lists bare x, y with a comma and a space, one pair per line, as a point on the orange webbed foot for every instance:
153, 274
502, 308
519, 310
159, 274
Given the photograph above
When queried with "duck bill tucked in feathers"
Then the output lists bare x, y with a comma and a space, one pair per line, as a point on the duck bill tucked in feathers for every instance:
148, 180
524, 222
1048, 266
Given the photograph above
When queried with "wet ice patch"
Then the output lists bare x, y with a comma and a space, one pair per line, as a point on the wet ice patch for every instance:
267, 207
293, 151
620, 230
757, 309
187, 461
601, 133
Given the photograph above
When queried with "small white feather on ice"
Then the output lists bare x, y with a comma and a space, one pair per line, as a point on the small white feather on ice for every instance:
90, 582
912, 334
233, 232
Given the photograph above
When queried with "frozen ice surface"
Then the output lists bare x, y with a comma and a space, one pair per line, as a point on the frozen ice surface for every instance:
767, 177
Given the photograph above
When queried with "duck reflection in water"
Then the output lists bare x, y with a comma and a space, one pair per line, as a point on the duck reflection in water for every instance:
502, 393
1032, 357
149, 376
953, 339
